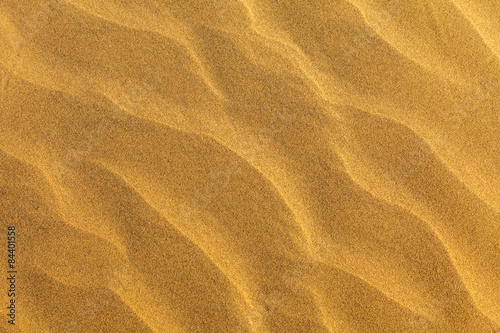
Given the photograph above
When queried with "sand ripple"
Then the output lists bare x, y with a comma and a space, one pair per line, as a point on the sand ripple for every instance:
252, 165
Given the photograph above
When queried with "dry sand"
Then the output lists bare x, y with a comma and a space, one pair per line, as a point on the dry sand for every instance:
251, 165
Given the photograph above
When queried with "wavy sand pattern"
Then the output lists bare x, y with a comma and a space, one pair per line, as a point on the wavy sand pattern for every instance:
252, 165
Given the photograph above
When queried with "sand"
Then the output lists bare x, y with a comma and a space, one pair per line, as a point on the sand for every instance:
251, 165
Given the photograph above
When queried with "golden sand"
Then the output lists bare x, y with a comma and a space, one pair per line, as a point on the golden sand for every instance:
251, 165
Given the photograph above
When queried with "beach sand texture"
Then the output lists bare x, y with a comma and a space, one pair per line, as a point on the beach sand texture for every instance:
251, 165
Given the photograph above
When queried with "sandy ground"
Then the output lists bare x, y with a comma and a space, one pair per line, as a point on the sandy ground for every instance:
251, 165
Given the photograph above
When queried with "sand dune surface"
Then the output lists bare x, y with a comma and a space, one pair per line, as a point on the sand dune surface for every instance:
251, 165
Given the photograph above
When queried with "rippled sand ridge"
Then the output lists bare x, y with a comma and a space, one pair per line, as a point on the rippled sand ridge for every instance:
251, 165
